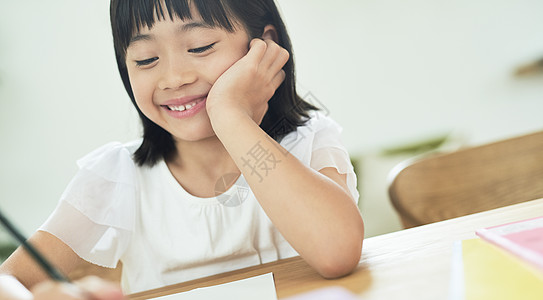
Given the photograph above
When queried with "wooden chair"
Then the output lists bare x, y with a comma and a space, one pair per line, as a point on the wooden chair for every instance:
444, 186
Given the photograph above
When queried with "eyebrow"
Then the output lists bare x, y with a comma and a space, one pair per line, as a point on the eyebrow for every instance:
183, 28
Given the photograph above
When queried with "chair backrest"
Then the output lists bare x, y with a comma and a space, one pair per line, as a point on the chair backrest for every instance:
467, 181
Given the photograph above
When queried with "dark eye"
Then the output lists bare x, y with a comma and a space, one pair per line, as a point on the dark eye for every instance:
146, 62
202, 49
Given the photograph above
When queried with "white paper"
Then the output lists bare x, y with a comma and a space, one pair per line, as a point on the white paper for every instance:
456, 287
259, 287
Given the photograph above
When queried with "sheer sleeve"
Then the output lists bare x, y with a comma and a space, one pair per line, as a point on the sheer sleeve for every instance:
95, 215
318, 144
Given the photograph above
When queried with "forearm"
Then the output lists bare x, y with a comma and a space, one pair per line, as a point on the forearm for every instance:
12, 289
316, 215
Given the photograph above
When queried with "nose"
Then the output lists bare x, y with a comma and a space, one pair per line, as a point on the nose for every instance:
176, 74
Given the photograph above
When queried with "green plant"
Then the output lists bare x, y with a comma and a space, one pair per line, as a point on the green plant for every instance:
6, 250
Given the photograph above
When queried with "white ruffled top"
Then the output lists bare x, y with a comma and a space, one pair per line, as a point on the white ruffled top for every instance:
114, 210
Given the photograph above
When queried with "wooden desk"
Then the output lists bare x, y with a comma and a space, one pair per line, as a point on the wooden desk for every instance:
408, 264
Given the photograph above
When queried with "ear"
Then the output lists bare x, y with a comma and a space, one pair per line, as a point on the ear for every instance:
270, 33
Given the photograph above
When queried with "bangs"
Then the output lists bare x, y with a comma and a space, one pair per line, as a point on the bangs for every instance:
129, 16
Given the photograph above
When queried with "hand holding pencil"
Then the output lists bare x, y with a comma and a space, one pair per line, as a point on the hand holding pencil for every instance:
89, 288
59, 287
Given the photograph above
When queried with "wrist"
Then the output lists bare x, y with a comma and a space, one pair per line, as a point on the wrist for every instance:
228, 120
225, 105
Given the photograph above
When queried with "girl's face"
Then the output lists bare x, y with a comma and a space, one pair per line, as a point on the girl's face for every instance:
173, 66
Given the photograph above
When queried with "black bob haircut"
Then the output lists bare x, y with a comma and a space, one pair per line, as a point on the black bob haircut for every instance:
286, 109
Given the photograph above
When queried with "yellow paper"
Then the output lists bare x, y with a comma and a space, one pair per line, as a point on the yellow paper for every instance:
492, 273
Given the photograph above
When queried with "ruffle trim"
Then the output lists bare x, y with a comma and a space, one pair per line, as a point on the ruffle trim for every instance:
318, 132
105, 189
339, 159
322, 134
98, 244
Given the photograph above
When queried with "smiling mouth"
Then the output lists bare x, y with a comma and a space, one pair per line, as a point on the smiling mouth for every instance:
184, 107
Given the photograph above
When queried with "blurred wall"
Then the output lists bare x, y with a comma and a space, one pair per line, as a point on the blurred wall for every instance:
389, 71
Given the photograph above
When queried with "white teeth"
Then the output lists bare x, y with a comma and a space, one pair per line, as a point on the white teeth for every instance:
183, 107
177, 108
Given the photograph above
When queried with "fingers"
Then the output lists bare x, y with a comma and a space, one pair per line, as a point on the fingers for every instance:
275, 61
89, 288
257, 50
99, 289
278, 79
270, 59
56, 290
275, 57
268, 55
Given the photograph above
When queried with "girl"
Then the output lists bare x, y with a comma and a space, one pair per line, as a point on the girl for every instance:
234, 168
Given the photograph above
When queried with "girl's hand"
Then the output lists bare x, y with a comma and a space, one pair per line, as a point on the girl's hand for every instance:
247, 86
88, 288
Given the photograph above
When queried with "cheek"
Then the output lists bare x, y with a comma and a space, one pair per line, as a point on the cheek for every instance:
136, 82
141, 91
220, 64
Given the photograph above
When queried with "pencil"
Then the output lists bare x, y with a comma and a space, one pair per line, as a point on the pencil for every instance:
54, 273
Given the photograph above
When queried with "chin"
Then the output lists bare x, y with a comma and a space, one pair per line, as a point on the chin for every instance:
194, 136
